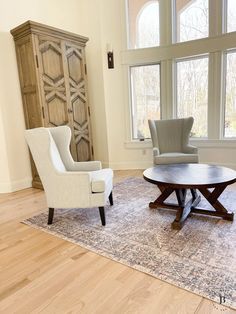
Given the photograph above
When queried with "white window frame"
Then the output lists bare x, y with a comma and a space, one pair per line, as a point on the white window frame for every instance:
130, 95
215, 46
225, 53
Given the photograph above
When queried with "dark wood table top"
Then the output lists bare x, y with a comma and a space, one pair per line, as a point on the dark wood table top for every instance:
190, 175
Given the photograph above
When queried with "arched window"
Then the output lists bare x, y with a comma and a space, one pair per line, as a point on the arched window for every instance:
192, 21
147, 29
143, 23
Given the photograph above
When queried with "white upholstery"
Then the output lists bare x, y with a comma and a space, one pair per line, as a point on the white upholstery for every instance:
62, 137
170, 141
101, 180
67, 184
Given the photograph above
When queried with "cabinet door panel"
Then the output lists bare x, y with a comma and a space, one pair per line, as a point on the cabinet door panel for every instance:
51, 72
33, 117
78, 102
26, 63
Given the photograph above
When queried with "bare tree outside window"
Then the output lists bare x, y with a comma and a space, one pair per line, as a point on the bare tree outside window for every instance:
148, 26
230, 96
143, 23
231, 16
145, 88
145, 80
192, 19
192, 93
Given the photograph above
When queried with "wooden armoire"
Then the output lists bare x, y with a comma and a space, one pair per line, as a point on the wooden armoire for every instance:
52, 71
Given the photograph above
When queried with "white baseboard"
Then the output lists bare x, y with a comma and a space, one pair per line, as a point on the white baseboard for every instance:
147, 164
8, 187
130, 165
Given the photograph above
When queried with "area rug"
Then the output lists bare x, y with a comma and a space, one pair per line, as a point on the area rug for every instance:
201, 257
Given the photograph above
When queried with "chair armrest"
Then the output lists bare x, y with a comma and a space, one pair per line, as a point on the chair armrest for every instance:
68, 189
86, 166
156, 151
72, 180
189, 149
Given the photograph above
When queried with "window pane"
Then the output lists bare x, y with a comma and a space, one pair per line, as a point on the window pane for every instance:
231, 16
192, 93
143, 23
230, 97
192, 19
145, 88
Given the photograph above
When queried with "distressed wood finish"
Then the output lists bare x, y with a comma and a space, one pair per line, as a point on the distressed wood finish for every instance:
179, 178
78, 101
52, 71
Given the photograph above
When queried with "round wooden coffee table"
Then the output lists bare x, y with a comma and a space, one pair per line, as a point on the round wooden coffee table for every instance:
210, 180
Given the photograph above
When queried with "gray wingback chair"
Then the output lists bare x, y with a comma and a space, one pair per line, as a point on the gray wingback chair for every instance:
170, 139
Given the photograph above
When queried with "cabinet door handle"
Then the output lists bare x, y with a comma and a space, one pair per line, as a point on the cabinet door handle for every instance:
70, 110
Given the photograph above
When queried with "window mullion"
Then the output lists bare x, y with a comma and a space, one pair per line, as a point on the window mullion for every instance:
215, 95
223, 93
165, 13
216, 18
166, 33
166, 90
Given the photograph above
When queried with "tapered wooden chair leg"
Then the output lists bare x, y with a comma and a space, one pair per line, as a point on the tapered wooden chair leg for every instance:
50, 215
102, 215
111, 198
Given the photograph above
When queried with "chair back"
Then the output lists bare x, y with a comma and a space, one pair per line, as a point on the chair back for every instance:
45, 154
62, 139
170, 135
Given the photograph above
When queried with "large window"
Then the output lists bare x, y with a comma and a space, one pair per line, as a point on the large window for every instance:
192, 93
192, 20
145, 87
182, 78
230, 96
143, 23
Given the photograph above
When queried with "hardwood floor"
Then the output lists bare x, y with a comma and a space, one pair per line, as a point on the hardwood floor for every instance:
40, 273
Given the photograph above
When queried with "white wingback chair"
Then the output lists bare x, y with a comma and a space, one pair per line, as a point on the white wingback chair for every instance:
170, 139
68, 184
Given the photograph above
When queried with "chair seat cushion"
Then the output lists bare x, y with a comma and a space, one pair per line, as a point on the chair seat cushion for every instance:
175, 158
101, 179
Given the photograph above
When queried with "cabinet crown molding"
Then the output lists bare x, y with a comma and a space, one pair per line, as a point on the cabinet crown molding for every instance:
31, 27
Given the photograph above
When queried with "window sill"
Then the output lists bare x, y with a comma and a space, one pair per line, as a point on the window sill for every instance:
135, 144
200, 143
206, 143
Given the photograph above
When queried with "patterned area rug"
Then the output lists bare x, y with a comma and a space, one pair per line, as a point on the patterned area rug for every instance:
200, 258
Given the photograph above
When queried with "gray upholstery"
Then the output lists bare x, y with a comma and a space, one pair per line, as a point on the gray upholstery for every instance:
170, 139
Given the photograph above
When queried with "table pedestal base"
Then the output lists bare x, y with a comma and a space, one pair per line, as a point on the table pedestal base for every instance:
184, 209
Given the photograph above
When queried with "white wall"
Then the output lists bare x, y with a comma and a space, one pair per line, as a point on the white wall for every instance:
113, 32
4, 184
14, 156
94, 55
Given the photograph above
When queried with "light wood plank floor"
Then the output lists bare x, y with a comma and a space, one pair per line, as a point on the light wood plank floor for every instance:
40, 273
